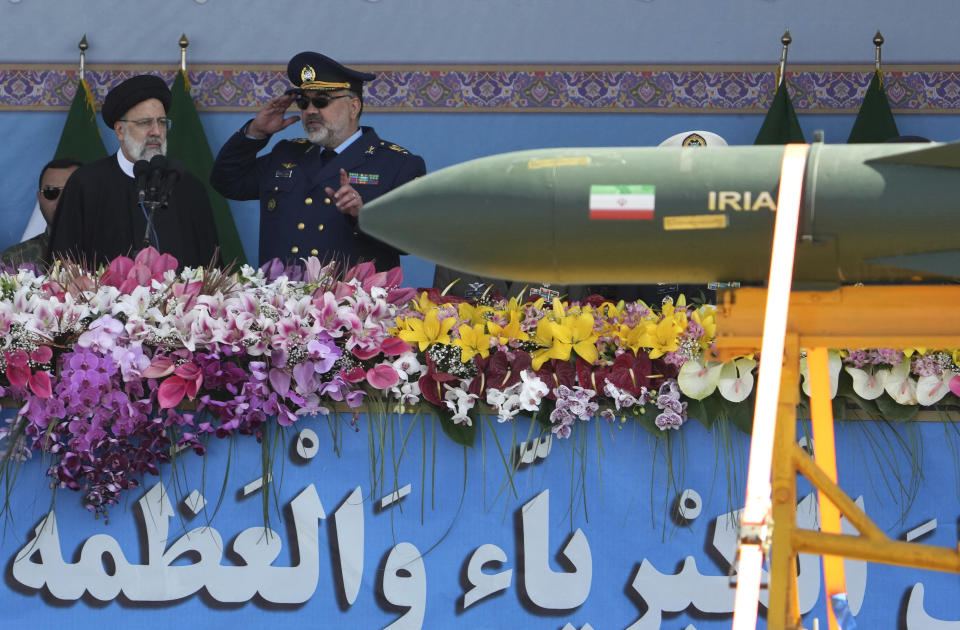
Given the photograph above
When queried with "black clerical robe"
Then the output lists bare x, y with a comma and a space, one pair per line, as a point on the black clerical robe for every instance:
98, 218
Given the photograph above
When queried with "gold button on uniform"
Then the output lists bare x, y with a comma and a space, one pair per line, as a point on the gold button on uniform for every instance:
327, 201
272, 205
294, 249
314, 252
320, 228
276, 188
308, 200
300, 226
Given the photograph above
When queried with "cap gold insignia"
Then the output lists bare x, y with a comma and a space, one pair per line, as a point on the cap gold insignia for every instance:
307, 74
288, 165
694, 140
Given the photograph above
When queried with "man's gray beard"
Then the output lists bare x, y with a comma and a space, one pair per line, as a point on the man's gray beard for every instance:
318, 136
140, 151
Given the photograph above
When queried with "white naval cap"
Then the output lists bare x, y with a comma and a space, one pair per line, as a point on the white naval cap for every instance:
696, 138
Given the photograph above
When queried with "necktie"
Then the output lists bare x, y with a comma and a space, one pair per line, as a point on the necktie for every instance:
326, 156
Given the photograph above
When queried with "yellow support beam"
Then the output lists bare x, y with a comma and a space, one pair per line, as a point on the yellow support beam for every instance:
848, 317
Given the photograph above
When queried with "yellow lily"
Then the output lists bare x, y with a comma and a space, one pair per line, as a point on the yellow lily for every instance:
706, 317
510, 331
423, 303
544, 339
575, 334
662, 337
473, 340
428, 331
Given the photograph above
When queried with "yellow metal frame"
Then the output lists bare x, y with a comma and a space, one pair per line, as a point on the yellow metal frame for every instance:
849, 317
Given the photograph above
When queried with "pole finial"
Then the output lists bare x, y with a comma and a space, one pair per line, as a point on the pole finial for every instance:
786, 40
877, 42
184, 42
83, 45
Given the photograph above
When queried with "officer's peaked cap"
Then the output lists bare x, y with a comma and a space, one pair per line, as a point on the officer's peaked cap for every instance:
313, 71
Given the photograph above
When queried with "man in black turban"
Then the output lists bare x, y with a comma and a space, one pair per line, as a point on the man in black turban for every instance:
135, 198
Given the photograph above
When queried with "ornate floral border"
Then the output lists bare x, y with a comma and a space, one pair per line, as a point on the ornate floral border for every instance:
446, 88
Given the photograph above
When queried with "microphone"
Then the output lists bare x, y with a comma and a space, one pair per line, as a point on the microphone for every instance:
158, 164
140, 170
172, 176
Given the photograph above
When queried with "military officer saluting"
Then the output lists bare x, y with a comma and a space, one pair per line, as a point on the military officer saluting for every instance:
311, 189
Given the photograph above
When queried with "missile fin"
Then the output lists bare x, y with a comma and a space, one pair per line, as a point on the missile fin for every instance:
946, 263
942, 155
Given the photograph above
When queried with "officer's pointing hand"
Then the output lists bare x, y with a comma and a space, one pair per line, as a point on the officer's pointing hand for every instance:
271, 119
347, 199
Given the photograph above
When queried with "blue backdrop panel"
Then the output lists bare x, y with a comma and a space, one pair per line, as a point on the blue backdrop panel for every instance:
646, 524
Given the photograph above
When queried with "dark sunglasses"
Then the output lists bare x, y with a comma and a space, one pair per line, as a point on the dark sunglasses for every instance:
50, 193
319, 100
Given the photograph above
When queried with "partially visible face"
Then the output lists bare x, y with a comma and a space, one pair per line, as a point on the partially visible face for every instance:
330, 126
142, 141
52, 178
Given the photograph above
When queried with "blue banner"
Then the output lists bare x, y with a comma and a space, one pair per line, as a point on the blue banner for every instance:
381, 522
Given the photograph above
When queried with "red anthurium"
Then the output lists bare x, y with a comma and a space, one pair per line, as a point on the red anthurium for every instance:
40, 384
631, 373
192, 375
394, 346
171, 392
955, 385
158, 368
354, 375
592, 376
556, 373
431, 383
383, 376
18, 370
41, 354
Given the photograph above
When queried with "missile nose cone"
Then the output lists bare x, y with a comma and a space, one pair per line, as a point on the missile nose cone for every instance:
465, 216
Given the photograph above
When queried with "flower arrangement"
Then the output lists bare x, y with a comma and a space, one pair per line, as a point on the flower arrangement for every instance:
114, 372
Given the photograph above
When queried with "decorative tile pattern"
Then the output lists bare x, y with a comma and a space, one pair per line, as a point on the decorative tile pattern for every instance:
922, 89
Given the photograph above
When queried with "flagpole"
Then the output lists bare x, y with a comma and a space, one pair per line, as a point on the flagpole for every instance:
184, 42
83, 45
878, 42
786, 40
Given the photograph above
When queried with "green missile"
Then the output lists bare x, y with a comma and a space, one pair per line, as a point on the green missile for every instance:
871, 213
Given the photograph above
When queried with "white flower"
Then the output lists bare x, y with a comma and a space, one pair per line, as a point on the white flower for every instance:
506, 402
867, 385
930, 389
900, 386
460, 403
532, 391
696, 380
736, 379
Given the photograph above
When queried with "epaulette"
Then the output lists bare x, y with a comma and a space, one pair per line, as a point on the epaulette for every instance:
394, 147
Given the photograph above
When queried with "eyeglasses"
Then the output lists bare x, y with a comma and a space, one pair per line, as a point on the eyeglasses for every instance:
319, 100
147, 123
50, 193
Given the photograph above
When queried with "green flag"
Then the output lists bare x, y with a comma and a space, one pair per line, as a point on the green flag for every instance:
780, 125
80, 138
188, 143
875, 121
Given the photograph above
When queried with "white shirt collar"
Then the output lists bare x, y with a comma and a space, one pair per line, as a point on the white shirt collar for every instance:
125, 165
346, 143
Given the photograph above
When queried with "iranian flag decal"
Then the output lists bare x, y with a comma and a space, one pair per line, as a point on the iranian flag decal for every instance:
621, 202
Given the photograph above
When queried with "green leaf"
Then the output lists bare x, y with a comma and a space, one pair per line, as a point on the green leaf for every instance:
894, 411
646, 420
741, 413
707, 411
462, 434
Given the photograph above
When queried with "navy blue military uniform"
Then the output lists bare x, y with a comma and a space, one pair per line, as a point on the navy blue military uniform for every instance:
297, 218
